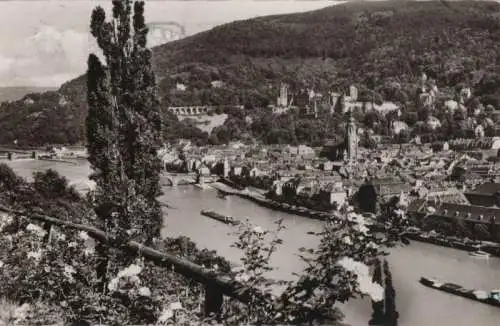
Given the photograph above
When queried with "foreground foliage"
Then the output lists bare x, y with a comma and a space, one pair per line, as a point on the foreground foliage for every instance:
52, 272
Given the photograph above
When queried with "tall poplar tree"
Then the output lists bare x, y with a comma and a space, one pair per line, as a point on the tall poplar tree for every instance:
124, 125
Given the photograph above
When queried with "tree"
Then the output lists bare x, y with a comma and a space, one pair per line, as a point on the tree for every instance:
52, 185
494, 229
481, 232
124, 127
8, 178
391, 314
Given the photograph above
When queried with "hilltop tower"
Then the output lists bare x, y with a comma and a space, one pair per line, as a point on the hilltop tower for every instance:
283, 97
351, 140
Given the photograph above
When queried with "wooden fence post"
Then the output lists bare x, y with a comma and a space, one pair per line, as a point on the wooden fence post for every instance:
48, 236
213, 300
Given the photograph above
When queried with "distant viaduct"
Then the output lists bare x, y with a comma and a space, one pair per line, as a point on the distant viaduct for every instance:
191, 110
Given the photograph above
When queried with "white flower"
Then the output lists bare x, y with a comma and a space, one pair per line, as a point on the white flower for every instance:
354, 266
113, 285
134, 279
1, 264
244, 277
144, 291
83, 235
166, 314
362, 228
37, 255
175, 305
216, 267
5, 220
21, 312
359, 222
36, 230
72, 244
68, 272
400, 213
258, 230
88, 251
365, 283
347, 240
58, 236
132, 270
374, 290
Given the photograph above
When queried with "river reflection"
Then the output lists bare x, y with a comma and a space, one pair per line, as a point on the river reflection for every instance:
418, 305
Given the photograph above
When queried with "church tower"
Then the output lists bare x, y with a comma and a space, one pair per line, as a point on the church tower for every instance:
351, 140
283, 97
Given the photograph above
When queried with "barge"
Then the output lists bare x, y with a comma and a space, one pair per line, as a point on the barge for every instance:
492, 298
220, 217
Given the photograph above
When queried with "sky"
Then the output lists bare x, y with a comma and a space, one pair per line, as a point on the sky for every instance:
46, 42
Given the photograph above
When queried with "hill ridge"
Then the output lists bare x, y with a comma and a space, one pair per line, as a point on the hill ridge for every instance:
370, 44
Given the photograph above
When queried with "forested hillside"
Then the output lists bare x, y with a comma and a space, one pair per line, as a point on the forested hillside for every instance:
375, 45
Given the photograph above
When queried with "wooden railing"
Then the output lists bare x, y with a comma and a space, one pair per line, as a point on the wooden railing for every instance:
216, 285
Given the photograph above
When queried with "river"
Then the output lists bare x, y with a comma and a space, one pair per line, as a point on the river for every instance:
418, 305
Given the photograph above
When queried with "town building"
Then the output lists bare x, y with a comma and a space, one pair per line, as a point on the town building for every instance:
375, 191
487, 194
180, 87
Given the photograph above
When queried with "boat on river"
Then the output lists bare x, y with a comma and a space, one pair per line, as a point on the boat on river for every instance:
492, 298
202, 186
221, 218
475, 248
479, 253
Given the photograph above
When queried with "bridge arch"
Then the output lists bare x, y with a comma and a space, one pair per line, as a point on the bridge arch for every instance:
174, 180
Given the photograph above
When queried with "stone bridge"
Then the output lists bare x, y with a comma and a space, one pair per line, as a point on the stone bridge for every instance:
174, 179
190, 110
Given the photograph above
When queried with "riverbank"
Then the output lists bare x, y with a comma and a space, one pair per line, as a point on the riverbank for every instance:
67, 161
261, 200
489, 247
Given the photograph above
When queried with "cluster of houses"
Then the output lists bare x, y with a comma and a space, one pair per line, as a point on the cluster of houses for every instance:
314, 104
441, 181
